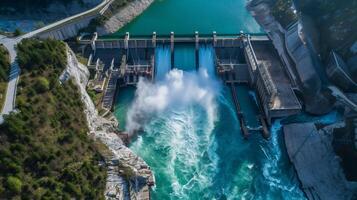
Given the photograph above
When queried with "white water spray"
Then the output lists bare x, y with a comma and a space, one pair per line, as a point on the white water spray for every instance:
178, 90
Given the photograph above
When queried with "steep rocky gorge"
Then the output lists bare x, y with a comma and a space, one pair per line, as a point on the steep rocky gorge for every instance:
128, 174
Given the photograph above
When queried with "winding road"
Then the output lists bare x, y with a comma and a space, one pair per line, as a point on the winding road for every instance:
10, 44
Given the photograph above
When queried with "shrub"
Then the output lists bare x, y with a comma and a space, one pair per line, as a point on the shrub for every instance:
42, 85
14, 184
4, 64
17, 32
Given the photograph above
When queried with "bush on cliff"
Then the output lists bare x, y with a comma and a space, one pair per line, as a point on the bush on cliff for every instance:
45, 152
4, 64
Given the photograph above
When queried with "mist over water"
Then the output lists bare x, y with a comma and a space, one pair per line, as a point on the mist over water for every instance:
190, 136
177, 91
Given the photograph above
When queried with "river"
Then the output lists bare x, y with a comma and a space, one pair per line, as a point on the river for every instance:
189, 133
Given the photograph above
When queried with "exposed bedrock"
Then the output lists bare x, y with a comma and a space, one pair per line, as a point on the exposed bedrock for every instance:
298, 59
129, 177
123, 16
318, 167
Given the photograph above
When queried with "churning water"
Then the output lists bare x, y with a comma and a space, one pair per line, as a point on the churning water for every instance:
190, 136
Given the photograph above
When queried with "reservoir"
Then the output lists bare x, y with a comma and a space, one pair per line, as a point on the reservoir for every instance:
188, 16
188, 131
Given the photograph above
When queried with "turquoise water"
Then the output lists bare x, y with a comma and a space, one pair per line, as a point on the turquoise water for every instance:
196, 157
248, 106
189, 133
123, 102
188, 16
184, 57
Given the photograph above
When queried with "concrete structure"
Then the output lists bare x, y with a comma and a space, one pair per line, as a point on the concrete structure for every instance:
240, 59
339, 73
69, 27
271, 81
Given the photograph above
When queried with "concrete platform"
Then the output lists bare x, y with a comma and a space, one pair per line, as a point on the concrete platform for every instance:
285, 98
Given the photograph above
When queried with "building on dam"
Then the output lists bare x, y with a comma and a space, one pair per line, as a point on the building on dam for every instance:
238, 59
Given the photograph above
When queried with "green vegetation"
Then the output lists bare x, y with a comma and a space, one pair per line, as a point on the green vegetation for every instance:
17, 32
4, 64
283, 12
4, 73
45, 152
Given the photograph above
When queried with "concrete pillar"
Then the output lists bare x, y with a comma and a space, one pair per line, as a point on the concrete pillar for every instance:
154, 39
126, 40
126, 44
214, 38
197, 43
172, 42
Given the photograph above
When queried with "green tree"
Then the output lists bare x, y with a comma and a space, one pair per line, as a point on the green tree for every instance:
42, 85
17, 32
14, 184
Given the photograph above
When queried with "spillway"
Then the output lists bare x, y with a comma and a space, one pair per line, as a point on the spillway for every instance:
190, 136
162, 62
206, 59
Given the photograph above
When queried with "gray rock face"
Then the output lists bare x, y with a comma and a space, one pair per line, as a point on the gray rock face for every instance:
300, 67
318, 168
352, 65
119, 156
124, 16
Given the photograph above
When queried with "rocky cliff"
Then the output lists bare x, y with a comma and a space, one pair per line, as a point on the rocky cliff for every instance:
129, 177
311, 151
120, 17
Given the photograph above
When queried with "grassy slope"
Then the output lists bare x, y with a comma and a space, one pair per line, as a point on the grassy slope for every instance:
45, 151
4, 73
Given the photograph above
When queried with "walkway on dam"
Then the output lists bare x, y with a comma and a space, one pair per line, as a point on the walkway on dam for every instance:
10, 44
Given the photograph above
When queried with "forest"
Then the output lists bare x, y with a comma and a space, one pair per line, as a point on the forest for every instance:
45, 152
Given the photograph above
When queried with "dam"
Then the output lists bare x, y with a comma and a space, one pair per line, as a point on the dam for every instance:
241, 60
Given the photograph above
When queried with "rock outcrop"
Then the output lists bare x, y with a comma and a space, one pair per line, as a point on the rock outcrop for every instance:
123, 16
129, 177
317, 165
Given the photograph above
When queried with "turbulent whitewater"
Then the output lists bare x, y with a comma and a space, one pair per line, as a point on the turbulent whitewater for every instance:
187, 131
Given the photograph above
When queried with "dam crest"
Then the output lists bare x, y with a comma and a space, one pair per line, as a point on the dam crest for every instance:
241, 59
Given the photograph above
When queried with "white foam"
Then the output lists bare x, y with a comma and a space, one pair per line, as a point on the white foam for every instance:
179, 89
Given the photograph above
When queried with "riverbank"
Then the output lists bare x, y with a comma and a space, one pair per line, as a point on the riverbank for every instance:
128, 174
318, 167
119, 17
